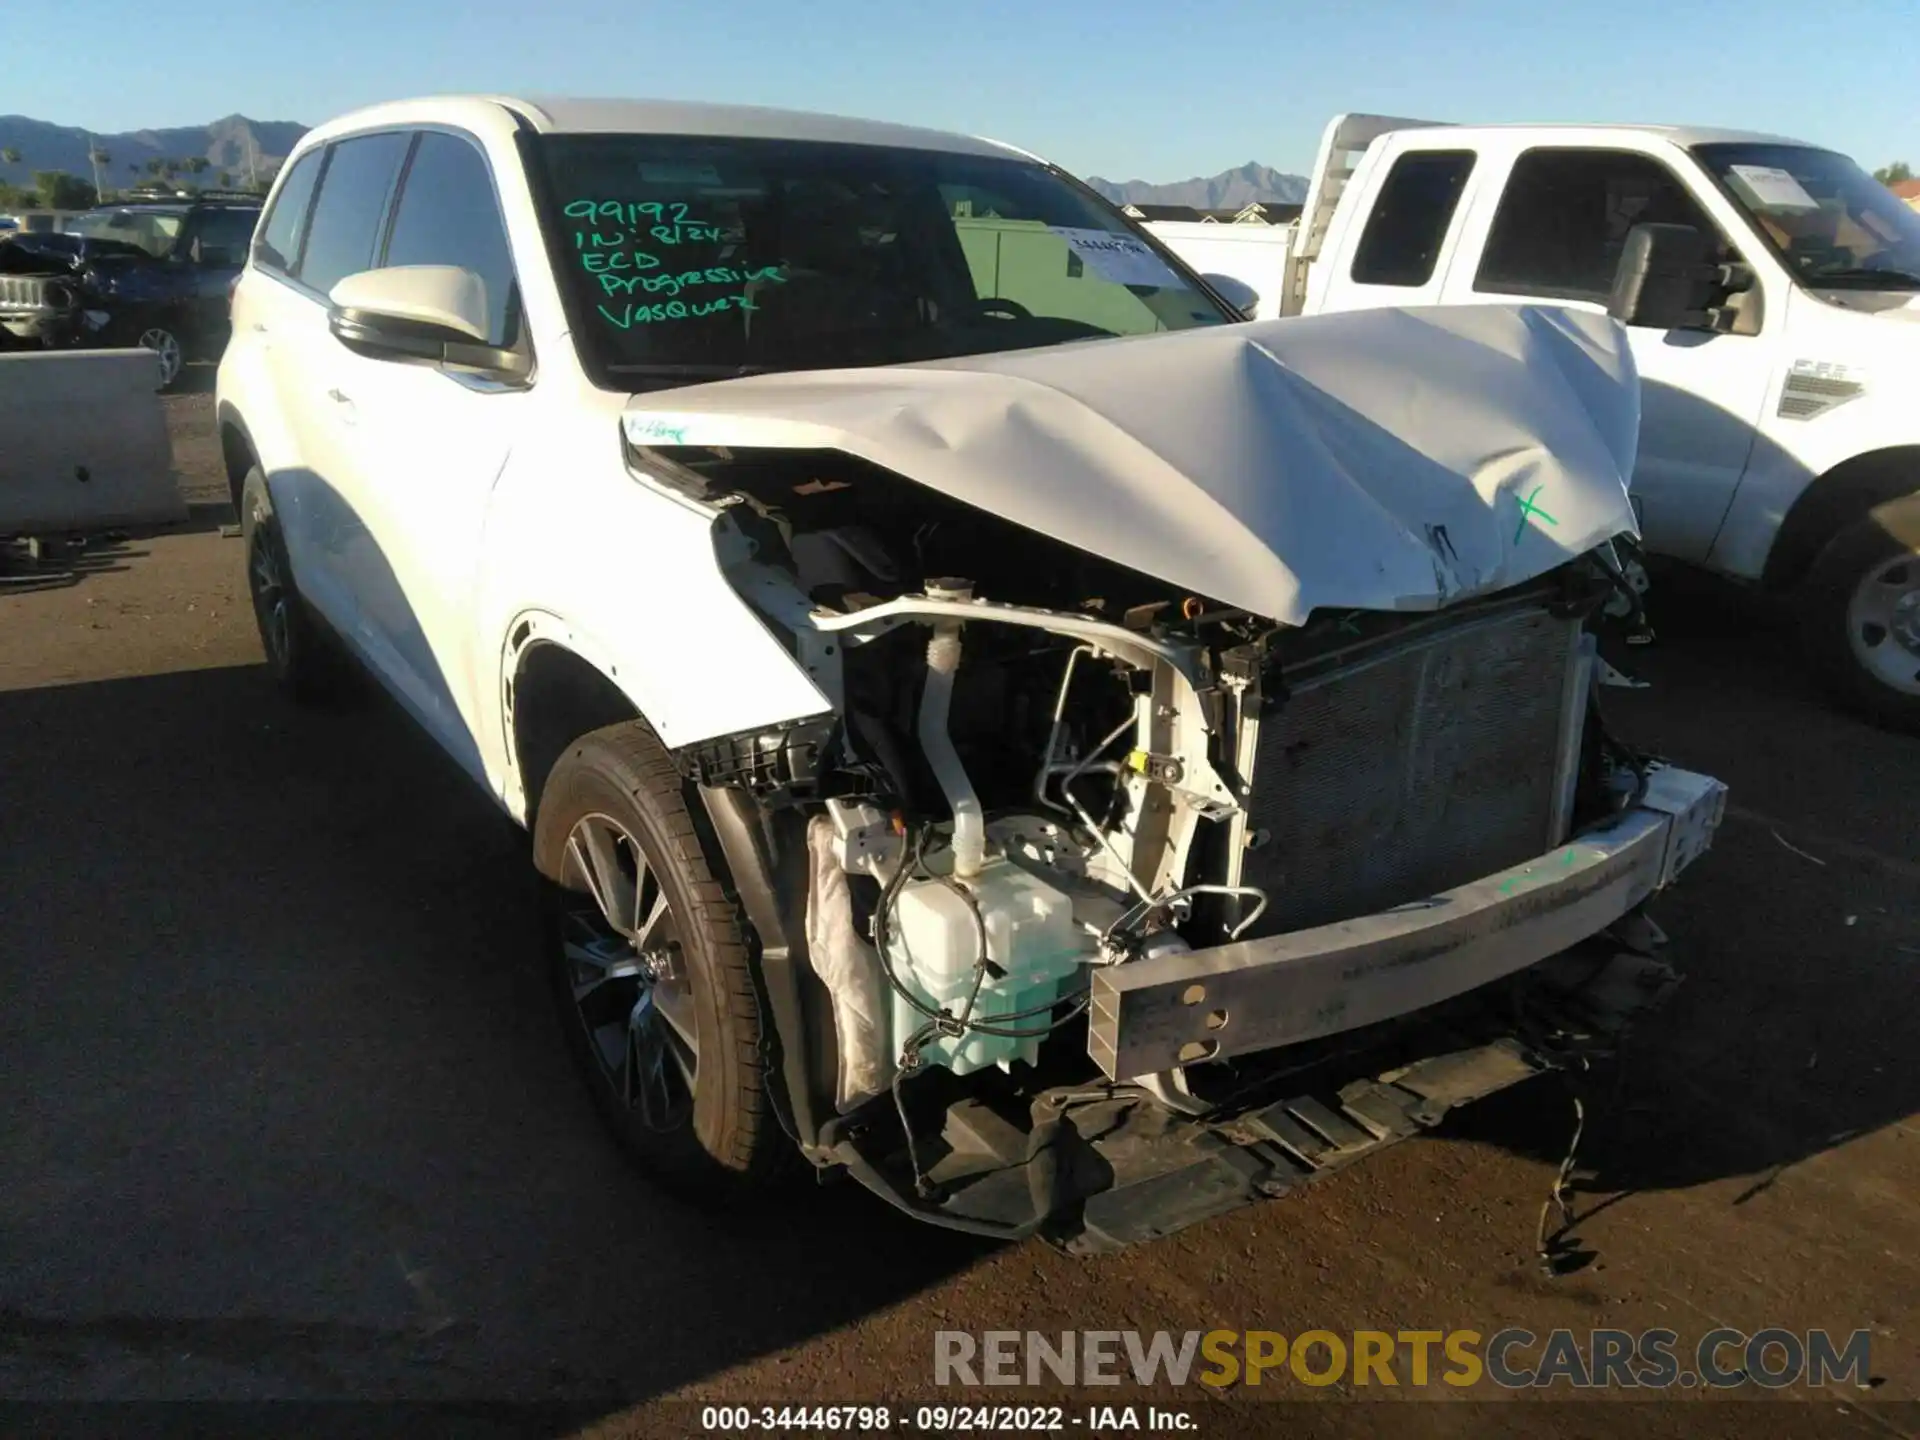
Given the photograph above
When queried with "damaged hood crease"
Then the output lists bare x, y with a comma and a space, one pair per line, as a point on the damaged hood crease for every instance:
1393, 460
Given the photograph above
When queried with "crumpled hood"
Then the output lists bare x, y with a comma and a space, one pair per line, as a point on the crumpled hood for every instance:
1381, 460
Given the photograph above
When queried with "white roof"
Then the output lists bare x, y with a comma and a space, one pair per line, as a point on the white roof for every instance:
578, 115
1684, 135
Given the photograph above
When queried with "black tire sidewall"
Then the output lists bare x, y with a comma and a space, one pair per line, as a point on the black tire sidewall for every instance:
1862, 546
302, 672
706, 1157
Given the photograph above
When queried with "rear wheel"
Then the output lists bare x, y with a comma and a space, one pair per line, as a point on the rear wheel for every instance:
650, 969
1863, 623
298, 656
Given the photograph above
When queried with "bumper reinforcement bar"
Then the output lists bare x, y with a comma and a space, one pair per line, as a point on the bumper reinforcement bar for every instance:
1155, 1015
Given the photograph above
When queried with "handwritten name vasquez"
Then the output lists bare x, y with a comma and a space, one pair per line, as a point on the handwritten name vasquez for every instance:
630, 315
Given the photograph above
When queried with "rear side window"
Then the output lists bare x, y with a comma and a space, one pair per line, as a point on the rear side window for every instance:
1564, 218
222, 235
1402, 240
279, 243
347, 213
447, 215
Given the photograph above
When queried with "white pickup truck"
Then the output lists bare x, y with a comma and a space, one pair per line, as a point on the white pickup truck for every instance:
1771, 291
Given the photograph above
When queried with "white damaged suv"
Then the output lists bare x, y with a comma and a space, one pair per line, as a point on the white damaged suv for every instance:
989, 722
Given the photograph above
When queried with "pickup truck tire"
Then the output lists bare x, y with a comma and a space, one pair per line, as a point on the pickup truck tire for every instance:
300, 655
1861, 621
647, 954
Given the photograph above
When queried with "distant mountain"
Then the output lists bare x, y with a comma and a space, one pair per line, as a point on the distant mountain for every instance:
1228, 190
223, 144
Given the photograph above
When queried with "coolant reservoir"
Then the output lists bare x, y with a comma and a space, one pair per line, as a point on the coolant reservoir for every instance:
935, 944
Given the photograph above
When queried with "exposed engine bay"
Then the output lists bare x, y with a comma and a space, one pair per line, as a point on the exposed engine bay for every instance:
1128, 894
1053, 768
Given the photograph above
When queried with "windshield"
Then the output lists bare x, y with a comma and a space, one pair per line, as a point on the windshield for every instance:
153, 231
691, 258
1834, 224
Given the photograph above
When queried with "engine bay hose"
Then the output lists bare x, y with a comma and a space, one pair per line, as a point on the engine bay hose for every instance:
969, 821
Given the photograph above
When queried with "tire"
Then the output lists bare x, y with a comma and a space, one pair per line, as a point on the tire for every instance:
706, 1130
299, 656
1861, 623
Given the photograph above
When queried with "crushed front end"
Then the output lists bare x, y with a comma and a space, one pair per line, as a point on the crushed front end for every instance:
57, 291
1103, 904
42, 310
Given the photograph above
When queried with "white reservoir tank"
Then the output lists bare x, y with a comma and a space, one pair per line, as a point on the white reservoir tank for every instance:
934, 945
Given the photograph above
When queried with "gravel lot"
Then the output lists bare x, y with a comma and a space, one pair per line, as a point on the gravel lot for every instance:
286, 1117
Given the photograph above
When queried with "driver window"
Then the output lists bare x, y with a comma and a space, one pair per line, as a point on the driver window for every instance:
1564, 217
447, 215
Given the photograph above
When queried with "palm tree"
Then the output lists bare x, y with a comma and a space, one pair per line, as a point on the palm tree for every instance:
10, 155
225, 180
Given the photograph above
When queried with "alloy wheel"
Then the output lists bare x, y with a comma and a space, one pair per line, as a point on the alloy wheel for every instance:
166, 345
627, 973
272, 604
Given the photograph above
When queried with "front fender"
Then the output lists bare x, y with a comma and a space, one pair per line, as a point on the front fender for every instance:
627, 578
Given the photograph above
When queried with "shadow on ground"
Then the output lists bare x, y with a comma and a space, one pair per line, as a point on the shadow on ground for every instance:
1799, 934
288, 1115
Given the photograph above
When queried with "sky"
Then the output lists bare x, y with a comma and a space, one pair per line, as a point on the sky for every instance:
1125, 89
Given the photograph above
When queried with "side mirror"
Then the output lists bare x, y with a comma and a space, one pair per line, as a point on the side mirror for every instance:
1237, 293
436, 313
1669, 278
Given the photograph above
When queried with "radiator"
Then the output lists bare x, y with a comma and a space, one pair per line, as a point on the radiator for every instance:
1429, 761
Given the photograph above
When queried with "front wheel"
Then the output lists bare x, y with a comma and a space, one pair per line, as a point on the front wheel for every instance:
650, 969
1862, 623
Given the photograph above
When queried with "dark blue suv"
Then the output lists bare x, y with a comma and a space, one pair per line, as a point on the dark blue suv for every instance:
157, 273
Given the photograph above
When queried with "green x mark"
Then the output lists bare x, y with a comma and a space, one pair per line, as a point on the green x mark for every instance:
1527, 507
1512, 882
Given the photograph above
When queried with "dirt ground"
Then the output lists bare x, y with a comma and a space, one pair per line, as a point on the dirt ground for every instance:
286, 1118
